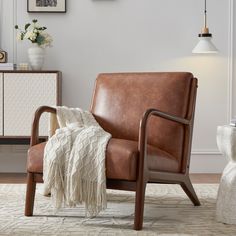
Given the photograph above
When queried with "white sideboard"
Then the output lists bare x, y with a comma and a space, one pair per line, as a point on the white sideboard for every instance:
21, 93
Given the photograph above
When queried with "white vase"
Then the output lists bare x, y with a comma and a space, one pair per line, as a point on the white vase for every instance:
36, 56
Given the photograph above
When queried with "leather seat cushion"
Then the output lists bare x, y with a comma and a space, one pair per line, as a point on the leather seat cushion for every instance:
35, 158
121, 159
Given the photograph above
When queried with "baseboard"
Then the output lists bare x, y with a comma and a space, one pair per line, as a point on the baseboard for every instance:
205, 163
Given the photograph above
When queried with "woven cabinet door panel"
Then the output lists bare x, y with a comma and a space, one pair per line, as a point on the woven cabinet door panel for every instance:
23, 94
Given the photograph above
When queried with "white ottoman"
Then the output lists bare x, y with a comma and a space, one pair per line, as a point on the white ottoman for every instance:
226, 199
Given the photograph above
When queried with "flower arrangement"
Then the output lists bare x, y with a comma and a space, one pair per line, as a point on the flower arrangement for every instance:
35, 33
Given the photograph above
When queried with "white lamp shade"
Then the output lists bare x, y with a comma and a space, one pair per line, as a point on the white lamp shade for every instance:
205, 46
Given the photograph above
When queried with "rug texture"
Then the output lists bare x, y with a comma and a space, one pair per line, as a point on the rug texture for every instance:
168, 211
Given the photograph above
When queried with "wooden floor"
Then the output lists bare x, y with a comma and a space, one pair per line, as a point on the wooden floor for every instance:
21, 178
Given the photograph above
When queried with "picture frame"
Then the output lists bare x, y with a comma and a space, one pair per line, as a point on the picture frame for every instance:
46, 6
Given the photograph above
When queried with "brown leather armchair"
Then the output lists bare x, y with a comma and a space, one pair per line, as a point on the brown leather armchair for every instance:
150, 117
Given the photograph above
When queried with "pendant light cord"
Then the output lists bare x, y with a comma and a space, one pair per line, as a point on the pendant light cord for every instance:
205, 15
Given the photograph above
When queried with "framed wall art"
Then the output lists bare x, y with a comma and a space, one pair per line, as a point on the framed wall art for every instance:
46, 6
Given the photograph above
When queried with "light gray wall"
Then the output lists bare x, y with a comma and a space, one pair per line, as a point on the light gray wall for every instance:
136, 35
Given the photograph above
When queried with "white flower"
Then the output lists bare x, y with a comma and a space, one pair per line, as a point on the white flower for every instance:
35, 33
47, 40
18, 37
30, 35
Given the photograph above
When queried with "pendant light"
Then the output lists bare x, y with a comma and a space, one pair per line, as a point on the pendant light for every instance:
205, 45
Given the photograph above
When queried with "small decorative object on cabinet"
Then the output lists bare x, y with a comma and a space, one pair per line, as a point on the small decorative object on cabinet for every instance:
57, 6
40, 40
3, 56
21, 93
36, 56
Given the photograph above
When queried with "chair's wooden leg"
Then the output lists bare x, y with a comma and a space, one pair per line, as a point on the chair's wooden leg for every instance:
30, 195
189, 190
139, 206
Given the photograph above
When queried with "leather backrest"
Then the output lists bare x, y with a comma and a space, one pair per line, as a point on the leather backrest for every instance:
120, 100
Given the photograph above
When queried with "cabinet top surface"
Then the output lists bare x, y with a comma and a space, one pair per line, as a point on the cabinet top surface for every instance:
29, 71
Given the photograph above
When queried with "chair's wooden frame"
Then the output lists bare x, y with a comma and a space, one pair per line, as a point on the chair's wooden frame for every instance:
144, 175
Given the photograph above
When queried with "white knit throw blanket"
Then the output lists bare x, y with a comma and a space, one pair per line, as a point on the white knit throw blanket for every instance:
74, 161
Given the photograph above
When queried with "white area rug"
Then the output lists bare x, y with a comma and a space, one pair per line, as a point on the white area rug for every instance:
168, 211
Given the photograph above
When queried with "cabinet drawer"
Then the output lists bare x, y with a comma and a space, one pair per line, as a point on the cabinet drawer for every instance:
23, 94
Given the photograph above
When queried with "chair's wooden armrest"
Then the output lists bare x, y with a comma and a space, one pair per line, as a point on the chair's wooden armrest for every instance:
142, 142
35, 125
163, 115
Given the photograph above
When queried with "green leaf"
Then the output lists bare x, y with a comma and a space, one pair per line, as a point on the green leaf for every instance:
27, 26
40, 39
22, 36
42, 28
16, 27
34, 20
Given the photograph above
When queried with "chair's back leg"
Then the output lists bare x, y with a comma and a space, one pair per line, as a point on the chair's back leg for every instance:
139, 206
30, 195
189, 190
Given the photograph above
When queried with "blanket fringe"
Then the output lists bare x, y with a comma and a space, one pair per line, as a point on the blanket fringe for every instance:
89, 192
